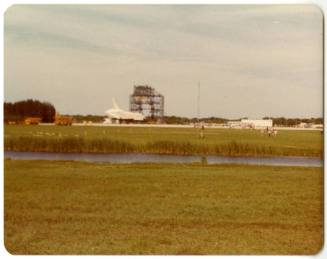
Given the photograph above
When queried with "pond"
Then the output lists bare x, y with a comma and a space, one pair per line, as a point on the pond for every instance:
155, 158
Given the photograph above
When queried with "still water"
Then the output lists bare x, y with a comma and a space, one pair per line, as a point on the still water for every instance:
153, 158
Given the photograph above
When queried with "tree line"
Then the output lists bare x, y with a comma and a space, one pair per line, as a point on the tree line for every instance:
278, 121
18, 111
291, 122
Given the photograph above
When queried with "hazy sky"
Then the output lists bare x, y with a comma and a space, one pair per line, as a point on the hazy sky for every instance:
251, 61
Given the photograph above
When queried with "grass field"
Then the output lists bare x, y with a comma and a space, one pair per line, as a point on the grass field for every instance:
227, 142
84, 208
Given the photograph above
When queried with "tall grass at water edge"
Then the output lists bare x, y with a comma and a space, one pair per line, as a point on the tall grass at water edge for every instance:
71, 144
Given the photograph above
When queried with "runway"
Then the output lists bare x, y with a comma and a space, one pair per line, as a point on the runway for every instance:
176, 126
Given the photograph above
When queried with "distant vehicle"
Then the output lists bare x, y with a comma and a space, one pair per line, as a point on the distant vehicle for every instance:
116, 114
32, 121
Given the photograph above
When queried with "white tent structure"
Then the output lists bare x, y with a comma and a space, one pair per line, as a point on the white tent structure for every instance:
256, 123
116, 114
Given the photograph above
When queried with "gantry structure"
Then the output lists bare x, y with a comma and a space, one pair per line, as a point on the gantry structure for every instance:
146, 100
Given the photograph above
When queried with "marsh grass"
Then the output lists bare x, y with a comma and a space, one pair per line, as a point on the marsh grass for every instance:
233, 149
180, 148
68, 145
107, 145
161, 141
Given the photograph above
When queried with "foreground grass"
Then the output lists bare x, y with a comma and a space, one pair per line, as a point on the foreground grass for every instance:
226, 142
83, 208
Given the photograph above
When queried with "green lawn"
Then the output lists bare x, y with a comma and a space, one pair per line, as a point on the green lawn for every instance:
162, 140
84, 208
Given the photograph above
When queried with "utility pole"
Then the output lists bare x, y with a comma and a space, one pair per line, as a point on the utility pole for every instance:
198, 108
199, 114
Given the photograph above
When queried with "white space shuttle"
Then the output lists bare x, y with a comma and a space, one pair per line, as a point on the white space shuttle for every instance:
117, 114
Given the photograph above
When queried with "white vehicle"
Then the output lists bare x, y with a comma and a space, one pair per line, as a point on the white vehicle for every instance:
116, 114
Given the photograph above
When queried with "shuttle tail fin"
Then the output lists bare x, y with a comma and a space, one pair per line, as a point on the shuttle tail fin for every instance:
115, 104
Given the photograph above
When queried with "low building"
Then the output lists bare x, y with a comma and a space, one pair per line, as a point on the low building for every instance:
303, 125
318, 126
255, 124
234, 124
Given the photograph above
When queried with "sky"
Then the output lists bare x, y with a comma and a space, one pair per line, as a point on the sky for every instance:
250, 61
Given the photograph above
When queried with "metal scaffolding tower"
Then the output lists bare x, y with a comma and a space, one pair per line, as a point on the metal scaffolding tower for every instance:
146, 100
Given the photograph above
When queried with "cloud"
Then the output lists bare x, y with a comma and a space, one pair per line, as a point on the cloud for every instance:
235, 51
28, 36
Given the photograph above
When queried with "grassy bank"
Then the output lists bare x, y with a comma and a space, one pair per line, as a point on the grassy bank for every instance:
227, 142
84, 208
